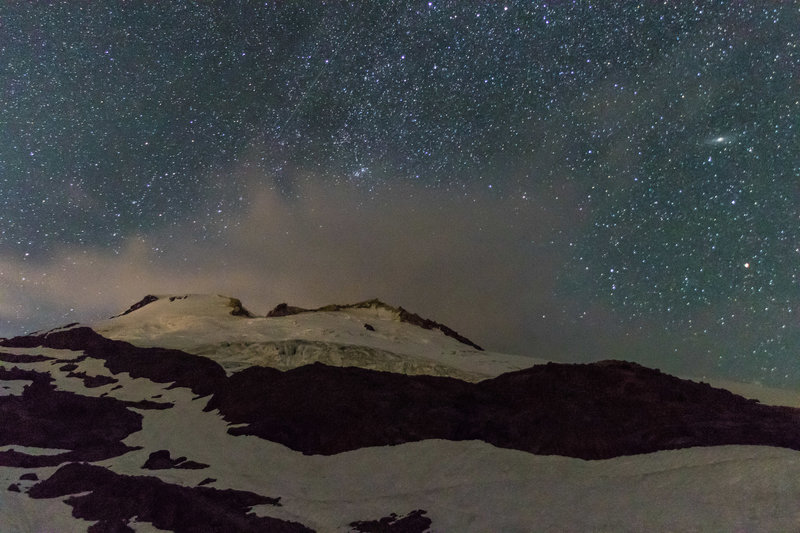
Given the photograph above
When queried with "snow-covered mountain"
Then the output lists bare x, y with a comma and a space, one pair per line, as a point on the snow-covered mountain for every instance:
189, 413
367, 335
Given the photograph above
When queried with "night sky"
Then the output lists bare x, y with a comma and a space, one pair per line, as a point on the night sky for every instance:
569, 180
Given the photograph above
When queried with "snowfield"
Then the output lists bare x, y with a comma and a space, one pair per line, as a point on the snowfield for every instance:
204, 325
466, 485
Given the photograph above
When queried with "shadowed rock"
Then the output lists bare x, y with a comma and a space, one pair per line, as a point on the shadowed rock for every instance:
149, 405
161, 460
138, 305
590, 411
161, 365
284, 309
23, 358
114, 499
237, 309
11, 374
91, 382
92, 428
413, 522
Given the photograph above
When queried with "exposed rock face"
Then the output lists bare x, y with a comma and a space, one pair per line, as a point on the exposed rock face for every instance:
149, 404
285, 309
92, 428
590, 411
157, 364
23, 358
115, 499
92, 381
161, 460
237, 309
138, 305
413, 318
414, 522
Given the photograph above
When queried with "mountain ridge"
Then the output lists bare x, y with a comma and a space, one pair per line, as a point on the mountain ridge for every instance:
102, 434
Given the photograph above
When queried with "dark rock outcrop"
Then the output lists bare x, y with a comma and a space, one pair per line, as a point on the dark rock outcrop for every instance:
115, 499
149, 404
138, 305
237, 309
92, 428
15, 373
413, 522
285, 309
161, 365
91, 382
415, 319
23, 358
590, 411
161, 460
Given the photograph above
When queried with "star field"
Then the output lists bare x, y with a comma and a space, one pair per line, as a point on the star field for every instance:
635, 166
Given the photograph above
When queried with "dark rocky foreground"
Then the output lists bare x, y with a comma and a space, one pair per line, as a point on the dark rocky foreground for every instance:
90, 428
592, 411
589, 411
113, 499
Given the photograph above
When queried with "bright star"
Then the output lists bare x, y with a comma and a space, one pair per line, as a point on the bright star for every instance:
720, 139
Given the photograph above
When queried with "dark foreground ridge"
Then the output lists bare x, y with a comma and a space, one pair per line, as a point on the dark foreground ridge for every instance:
589, 411
114, 499
404, 316
92, 429
200, 374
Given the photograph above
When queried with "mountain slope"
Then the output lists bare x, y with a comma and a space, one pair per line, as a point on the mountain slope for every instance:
589, 411
117, 437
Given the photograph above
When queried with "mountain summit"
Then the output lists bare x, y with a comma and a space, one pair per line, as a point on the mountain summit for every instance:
369, 334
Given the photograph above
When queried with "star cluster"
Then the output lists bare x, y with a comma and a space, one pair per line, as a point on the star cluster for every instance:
664, 134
